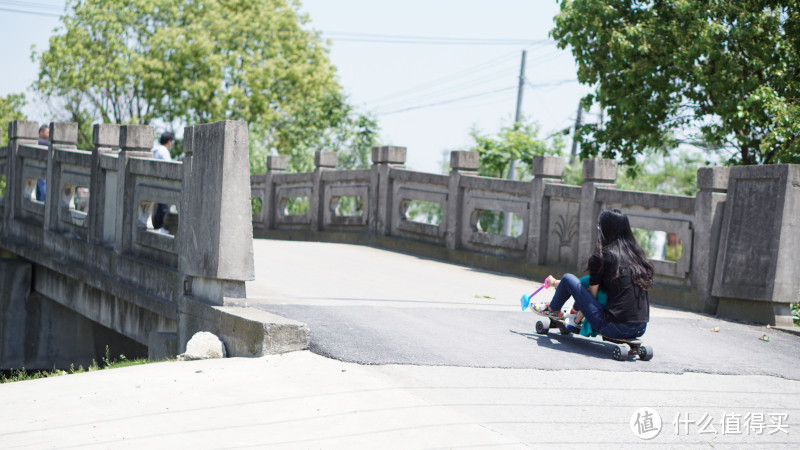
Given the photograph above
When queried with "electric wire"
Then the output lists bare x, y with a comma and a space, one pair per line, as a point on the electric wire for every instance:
429, 40
447, 101
421, 88
455, 75
448, 90
30, 12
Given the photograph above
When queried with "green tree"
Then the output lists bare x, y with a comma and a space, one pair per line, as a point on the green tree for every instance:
10, 109
175, 62
515, 142
671, 173
723, 73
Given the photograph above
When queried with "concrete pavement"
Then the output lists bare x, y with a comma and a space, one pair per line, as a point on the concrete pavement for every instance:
725, 389
302, 400
374, 306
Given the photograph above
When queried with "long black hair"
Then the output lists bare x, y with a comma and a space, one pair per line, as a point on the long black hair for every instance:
615, 239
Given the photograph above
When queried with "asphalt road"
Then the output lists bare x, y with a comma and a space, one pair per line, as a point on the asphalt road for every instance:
372, 306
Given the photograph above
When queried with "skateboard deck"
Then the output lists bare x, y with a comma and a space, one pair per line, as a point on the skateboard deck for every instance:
636, 347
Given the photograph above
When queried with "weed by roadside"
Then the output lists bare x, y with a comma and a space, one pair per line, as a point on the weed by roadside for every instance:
107, 363
796, 313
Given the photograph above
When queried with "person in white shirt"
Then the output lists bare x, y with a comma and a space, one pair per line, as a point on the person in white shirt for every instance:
162, 151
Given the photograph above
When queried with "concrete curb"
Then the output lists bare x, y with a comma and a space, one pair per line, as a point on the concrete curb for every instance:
795, 330
245, 331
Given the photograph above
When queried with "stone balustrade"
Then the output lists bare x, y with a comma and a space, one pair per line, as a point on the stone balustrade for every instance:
100, 256
441, 216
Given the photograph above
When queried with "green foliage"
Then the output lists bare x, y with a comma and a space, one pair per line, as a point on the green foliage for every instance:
724, 74
796, 313
256, 204
515, 142
672, 173
176, 62
108, 363
10, 109
421, 211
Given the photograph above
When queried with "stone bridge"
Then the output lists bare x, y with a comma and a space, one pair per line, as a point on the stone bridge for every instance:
78, 274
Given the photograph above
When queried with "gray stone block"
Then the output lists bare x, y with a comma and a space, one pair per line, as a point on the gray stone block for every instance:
757, 258
245, 331
464, 160
326, 159
23, 129
216, 235
389, 155
548, 167
599, 170
188, 140
64, 133
162, 345
105, 135
136, 137
713, 178
277, 163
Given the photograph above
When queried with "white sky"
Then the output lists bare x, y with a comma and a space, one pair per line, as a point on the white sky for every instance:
447, 89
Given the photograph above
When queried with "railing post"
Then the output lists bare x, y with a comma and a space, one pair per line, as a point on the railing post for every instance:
546, 170
105, 137
322, 161
708, 211
596, 173
275, 165
63, 135
380, 197
756, 277
134, 140
461, 163
20, 132
215, 236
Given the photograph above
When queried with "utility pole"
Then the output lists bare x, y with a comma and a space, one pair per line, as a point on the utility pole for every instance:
575, 134
512, 169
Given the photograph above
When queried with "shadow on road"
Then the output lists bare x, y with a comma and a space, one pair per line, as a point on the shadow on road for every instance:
571, 344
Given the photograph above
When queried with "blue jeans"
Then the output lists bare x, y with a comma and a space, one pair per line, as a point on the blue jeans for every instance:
594, 312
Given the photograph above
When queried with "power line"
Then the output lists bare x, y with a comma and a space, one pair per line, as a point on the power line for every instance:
453, 100
461, 73
34, 13
431, 40
451, 77
446, 90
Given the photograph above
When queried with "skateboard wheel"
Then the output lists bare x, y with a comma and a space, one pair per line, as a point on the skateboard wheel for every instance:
617, 355
564, 331
542, 327
645, 352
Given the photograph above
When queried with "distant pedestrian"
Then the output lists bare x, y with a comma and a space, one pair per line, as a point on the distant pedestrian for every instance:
162, 151
44, 135
41, 184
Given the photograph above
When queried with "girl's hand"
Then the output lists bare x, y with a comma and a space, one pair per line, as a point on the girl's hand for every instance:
552, 281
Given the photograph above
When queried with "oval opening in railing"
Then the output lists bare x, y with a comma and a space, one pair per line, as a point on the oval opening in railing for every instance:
75, 204
256, 205
158, 218
347, 206
33, 190
493, 222
419, 211
2, 187
659, 245
294, 206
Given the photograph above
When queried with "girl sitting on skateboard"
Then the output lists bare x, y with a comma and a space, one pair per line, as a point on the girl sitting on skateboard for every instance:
620, 268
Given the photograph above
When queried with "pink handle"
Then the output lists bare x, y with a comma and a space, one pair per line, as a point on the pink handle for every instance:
544, 286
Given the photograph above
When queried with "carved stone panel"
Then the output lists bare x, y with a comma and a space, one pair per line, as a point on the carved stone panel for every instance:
562, 233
